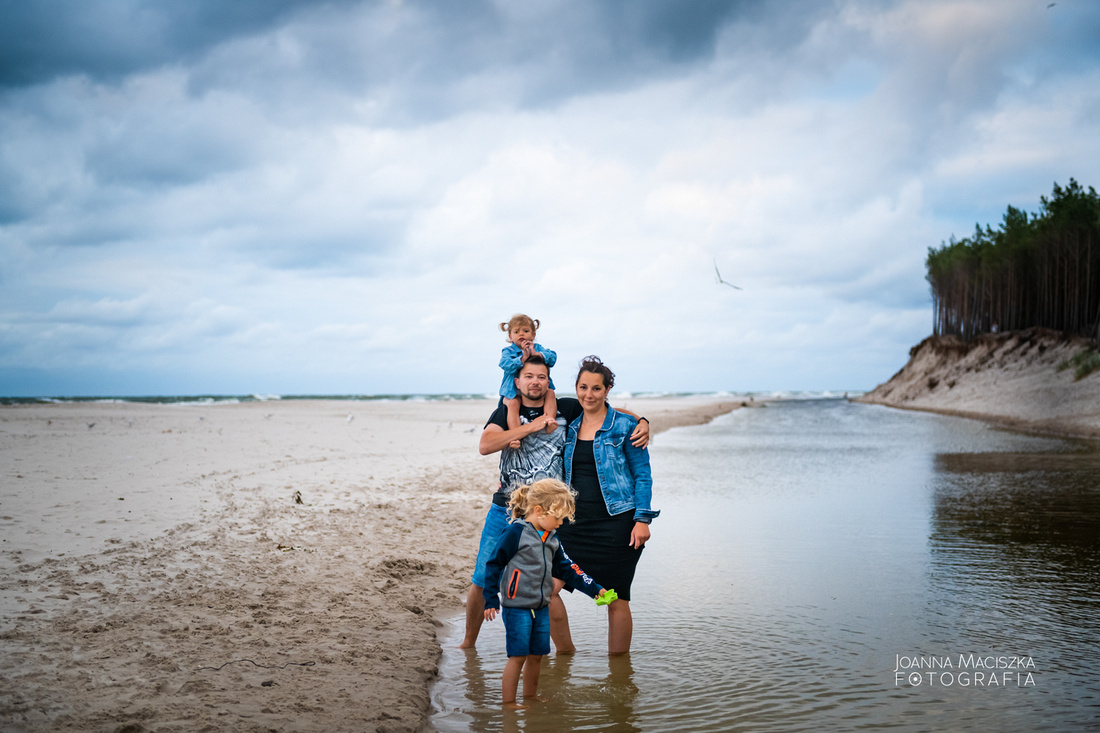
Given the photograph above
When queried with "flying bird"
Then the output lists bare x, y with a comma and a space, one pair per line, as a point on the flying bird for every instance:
1051, 5
719, 276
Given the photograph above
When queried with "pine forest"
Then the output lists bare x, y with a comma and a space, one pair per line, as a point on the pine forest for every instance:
1033, 270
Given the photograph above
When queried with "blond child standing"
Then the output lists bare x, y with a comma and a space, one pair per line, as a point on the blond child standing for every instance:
527, 559
521, 330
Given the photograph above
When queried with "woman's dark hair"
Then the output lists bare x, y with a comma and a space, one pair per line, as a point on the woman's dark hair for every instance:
594, 365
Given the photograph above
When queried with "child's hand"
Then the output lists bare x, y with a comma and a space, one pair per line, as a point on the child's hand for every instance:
490, 614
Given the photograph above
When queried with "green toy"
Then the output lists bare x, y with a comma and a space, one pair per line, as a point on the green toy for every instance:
607, 597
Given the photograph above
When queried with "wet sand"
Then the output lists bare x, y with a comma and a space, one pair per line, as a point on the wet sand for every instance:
254, 567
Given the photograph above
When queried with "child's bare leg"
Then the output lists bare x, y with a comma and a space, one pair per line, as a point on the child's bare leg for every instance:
531, 669
550, 407
510, 681
512, 403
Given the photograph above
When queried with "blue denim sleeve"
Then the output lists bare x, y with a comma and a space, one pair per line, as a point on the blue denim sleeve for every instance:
511, 358
637, 460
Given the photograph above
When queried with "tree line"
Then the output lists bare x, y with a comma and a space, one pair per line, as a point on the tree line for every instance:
1037, 270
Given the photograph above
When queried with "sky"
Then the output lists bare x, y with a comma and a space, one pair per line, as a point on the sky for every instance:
304, 197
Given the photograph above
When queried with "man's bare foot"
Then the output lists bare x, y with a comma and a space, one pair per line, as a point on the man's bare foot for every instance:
566, 649
467, 644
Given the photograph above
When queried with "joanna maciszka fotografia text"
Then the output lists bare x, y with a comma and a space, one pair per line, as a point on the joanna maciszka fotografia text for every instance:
964, 670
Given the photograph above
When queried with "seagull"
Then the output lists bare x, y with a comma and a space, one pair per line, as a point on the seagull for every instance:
1051, 5
719, 276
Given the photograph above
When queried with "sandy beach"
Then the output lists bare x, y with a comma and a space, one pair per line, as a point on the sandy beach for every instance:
267, 566
1011, 379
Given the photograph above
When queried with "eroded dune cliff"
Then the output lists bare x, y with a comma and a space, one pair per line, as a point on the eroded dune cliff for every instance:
1010, 378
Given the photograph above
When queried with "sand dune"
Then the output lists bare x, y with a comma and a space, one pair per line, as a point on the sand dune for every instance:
1011, 379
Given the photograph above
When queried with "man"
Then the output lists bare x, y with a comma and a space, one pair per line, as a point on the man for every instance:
527, 453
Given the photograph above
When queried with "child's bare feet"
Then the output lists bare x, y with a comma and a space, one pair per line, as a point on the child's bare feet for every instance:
513, 705
514, 445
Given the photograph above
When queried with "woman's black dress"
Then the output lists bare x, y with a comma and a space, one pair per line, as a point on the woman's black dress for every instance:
597, 541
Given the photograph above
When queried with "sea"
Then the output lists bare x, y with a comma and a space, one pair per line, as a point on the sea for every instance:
222, 399
820, 565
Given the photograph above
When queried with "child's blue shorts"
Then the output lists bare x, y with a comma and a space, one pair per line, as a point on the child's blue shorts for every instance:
527, 629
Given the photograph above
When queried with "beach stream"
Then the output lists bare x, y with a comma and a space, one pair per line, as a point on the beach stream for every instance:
820, 565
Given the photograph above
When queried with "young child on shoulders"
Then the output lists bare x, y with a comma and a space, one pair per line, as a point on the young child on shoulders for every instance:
527, 558
521, 331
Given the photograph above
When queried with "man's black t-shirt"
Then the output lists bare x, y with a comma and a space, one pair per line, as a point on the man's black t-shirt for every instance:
539, 454
568, 408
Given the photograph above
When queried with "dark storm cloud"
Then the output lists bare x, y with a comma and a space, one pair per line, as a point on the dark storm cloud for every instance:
658, 32
108, 39
415, 58
294, 63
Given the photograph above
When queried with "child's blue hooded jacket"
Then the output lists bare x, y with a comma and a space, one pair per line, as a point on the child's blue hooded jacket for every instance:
524, 565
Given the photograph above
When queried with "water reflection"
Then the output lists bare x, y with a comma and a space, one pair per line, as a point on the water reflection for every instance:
803, 547
580, 692
1017, 535
1021, 500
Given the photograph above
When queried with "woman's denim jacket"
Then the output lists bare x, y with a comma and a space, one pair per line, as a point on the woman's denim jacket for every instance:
623, 470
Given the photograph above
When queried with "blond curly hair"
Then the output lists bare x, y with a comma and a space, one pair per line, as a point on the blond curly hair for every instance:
549, 494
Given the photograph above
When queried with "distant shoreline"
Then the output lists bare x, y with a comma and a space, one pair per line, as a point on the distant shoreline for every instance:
1009, 379
230, 399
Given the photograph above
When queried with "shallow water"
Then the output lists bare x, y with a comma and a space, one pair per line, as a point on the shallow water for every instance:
820, 565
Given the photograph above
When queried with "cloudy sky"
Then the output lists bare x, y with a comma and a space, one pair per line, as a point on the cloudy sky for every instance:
292, 196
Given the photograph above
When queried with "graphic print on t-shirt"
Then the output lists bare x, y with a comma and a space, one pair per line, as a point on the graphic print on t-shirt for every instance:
539, 455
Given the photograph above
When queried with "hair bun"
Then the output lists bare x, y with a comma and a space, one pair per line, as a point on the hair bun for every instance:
595, 365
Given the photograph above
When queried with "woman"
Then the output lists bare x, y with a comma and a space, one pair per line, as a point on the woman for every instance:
614, 486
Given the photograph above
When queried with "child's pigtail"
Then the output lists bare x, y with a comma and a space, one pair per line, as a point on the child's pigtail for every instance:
504, 327
535, 323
